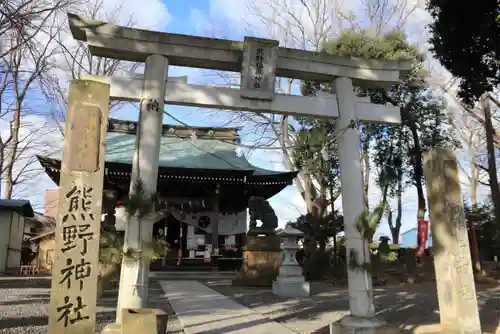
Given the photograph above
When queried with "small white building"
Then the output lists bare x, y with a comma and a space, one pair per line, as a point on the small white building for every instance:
12, 222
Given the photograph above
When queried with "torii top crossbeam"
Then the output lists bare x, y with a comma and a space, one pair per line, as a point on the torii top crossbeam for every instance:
123, 43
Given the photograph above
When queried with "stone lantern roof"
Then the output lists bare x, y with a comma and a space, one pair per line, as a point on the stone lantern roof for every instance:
290, 231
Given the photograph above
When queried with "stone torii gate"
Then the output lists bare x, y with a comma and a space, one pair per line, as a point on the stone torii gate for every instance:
259, 61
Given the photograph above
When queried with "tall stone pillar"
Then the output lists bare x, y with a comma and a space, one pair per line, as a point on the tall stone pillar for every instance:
362, 309
456, 290
134, 274
76, 260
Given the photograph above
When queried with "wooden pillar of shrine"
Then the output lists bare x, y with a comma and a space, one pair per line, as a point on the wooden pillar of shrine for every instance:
215, 222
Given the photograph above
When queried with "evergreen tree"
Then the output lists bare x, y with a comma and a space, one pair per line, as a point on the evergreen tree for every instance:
395, 149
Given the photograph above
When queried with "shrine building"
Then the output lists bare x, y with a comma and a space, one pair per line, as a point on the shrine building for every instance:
203, 182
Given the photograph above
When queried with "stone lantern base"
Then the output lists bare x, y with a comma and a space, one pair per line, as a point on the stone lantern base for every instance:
291, 287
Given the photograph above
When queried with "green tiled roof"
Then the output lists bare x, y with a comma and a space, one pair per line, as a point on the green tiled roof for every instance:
181, 153
178, 152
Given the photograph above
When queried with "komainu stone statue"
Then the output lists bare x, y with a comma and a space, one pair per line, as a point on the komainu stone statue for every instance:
260, 209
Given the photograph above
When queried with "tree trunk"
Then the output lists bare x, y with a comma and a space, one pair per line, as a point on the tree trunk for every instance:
12, 152
366, 163
2, 156
474, 249
418, 173
399, 215
335, 229
490, 147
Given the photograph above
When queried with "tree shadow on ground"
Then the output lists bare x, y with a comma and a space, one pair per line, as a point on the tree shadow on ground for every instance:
10, 322
24, 282
405, 306
24, 301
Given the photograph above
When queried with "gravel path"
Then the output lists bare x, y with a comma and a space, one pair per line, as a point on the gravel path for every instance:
24, 306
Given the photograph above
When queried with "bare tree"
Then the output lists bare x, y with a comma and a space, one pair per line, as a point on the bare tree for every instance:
25, 19
23, 66
307, 24
477, 128
75, 60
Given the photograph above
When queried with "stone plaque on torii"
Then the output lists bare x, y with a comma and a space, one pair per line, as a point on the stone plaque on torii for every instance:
259, 62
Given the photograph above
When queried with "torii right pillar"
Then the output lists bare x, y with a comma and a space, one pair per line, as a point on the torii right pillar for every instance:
362, 318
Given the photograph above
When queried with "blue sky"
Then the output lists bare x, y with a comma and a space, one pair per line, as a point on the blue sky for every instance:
225, 19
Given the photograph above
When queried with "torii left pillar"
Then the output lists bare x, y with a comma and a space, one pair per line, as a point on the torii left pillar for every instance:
133, 291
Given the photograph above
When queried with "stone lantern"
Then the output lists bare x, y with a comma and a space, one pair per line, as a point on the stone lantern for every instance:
290, 281
120, 217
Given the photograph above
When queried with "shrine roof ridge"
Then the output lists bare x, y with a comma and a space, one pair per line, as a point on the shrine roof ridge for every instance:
124, 43
180, 131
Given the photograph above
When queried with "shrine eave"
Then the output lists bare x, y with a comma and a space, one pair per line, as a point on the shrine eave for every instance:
120, 172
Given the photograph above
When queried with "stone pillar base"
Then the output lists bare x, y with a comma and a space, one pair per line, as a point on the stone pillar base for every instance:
112, 328
262, 258
360, 325
288, 288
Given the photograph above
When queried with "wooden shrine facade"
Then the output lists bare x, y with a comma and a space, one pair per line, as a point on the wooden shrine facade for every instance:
201, 176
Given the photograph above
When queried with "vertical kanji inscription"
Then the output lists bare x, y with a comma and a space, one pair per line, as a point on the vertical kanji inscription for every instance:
84, 138
258, 73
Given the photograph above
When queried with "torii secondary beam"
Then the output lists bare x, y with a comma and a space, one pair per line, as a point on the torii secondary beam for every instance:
180, 93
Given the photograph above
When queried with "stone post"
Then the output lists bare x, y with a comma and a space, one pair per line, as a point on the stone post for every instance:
450, 244
362, 309
349, 141
290, 281
134, 274
76, 260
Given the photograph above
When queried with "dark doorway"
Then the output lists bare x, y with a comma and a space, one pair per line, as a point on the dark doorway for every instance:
159, 229
176, 234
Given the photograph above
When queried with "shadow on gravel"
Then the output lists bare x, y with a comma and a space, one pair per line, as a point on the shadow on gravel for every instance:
105, 317
25, 301
24, 282
23, 322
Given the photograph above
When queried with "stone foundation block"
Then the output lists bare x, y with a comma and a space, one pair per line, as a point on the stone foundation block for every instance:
359, 325
259, 268
112, 328
262, 243
144, 321
285, 288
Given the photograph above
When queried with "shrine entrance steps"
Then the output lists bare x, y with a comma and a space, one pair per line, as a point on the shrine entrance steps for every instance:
203, 310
